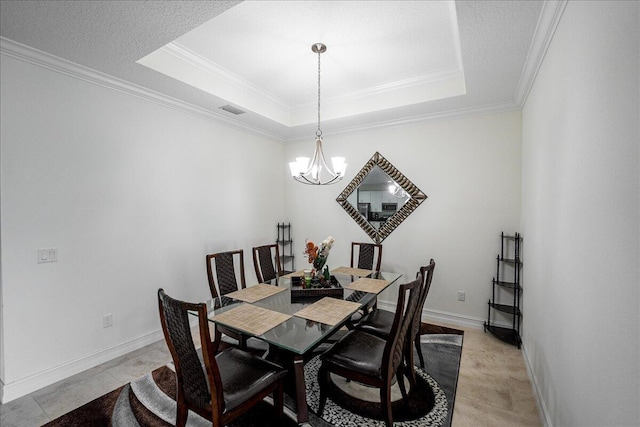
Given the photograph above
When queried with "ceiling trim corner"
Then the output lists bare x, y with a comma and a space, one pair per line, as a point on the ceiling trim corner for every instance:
217, 72
548, 21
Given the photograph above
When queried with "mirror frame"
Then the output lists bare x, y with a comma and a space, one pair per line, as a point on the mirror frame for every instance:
417, 197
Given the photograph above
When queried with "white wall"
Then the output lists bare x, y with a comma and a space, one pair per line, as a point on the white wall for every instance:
469, 169
581, 217
133, 194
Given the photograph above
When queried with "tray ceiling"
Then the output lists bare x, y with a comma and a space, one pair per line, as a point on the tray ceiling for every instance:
385, 62
380, 55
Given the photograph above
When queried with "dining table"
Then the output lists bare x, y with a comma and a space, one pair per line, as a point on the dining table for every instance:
294, 319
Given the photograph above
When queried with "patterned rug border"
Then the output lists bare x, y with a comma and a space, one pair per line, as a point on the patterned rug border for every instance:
99, 411
336, 414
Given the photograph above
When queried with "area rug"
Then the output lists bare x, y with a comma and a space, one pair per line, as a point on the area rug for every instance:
150, 400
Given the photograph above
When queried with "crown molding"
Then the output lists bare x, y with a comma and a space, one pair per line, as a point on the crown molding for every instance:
417, 82
548, 21
53, 63
502, 107
217, 72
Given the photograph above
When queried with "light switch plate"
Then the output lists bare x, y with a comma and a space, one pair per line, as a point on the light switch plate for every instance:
47, 255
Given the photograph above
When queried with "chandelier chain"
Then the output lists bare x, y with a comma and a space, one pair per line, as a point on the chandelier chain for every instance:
319, 132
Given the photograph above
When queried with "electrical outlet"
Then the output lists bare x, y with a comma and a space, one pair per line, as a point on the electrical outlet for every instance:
107, 320
461, 295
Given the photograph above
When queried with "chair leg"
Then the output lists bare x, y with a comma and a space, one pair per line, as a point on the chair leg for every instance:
419, 350
181, 415
408, 365
278, 399
400, 380
385, 399
323, 381
410, 372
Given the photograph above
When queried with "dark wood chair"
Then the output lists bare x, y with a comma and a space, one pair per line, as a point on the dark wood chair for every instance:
266, 261
379, 322
372, 360
368, 256
222, 269
230, 382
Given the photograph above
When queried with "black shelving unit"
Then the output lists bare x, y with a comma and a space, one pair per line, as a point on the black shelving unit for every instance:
510, 245
287, 261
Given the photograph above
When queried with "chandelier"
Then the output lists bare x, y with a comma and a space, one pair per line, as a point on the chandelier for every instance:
317, 172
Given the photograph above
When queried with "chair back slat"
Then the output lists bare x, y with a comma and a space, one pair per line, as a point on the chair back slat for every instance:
224, 266
226, 272
266, 260
190, 375
427, 274
393, 353
367, 258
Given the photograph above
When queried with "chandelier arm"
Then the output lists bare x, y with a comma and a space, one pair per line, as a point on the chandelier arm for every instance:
321, 160
313, 162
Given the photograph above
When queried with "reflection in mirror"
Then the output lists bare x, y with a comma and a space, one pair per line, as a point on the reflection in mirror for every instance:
380, 197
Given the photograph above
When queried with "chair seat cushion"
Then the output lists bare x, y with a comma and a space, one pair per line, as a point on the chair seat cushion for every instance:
244, 375
378, 322
357, 351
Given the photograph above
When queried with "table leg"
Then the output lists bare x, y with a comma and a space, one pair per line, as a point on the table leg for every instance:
295, 365
301, 389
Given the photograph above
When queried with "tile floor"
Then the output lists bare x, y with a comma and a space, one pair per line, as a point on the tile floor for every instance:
493, 387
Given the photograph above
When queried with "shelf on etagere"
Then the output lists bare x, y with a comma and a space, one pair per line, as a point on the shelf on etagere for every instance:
507, 335
508, 285
511, 260
510, 309
511, 236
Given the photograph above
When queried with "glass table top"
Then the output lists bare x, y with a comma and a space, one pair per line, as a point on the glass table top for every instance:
297, 334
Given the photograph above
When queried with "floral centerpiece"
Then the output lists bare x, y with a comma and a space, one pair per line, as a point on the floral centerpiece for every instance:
318, 256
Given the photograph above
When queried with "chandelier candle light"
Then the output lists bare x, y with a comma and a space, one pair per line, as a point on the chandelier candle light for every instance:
317, 172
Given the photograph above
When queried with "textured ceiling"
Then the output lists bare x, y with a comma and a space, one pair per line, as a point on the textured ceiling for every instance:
110, 36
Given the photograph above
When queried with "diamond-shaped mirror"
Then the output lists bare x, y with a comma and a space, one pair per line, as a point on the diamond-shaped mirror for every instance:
379, 198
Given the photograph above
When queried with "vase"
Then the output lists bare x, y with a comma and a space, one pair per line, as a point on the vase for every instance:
319, 263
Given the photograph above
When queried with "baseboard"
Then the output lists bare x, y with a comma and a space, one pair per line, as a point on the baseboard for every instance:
542, 407
454, 319
445, 318
50, 376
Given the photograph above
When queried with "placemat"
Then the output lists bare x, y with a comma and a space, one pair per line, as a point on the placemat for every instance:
366, 284
251, 319
328, 310
255, 293
298, 273
351, 271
